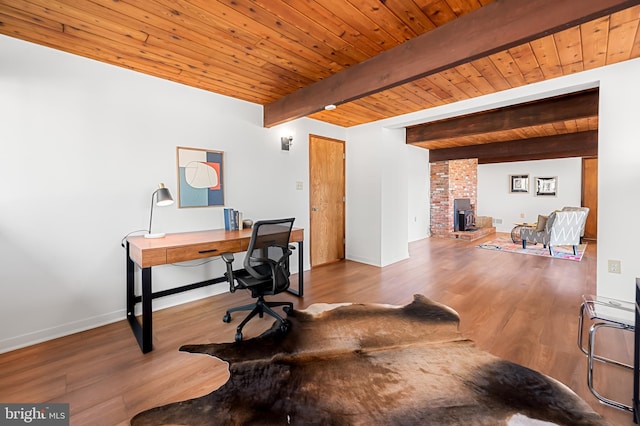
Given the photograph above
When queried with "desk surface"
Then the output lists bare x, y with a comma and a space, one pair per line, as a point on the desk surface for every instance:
183, 246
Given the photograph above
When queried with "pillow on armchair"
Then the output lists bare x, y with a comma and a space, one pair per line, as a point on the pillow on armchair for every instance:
542, 223
539, 234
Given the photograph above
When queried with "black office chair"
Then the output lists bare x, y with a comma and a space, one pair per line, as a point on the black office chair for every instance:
266, 271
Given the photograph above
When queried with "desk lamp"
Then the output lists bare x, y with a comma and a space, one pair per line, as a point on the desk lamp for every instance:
163, 198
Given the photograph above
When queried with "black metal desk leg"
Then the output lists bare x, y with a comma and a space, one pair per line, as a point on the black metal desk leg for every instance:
141, 333
147, 326
131, 297
300, 268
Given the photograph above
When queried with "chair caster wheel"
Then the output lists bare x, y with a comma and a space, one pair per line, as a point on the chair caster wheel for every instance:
287, 310
284, 327
238, 337
226, 318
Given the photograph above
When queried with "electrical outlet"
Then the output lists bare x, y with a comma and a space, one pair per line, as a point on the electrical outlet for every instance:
613, 266
298, 185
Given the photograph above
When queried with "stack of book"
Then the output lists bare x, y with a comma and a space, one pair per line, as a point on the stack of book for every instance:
232, 219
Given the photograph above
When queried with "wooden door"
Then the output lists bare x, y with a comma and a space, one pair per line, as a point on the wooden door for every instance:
590, 196
327, 198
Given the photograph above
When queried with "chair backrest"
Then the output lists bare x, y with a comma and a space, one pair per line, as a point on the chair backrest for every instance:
566, 227
584, 209
268, 252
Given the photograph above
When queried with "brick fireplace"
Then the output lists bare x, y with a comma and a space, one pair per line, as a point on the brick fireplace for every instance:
451, 180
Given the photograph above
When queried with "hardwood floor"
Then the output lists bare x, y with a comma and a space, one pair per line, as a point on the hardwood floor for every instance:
521, 308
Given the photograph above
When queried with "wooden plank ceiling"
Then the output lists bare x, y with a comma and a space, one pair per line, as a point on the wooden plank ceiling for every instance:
262, 51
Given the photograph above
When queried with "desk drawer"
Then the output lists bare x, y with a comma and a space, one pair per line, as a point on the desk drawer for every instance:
201, 251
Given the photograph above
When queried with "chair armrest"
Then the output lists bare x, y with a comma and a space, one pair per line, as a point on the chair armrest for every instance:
228, 259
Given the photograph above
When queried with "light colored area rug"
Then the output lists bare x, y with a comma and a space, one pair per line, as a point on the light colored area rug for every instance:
373, 365
559, 252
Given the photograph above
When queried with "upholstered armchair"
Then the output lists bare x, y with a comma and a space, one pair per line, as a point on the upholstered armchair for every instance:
562, 228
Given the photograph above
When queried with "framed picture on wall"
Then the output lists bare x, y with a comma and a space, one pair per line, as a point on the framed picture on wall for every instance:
546, 186
200, 177
519, 183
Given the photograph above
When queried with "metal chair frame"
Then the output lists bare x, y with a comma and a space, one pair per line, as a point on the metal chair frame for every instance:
602, 321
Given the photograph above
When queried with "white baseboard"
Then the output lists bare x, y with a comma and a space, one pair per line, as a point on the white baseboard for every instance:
363, 260
62, 330
28, 339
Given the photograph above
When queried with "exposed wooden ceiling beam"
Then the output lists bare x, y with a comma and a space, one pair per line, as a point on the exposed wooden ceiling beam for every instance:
550, 110
490, 29
581, 144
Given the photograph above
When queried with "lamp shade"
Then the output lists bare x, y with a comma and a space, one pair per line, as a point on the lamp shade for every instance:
163, 198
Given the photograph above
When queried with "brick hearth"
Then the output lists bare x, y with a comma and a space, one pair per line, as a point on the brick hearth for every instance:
472, 235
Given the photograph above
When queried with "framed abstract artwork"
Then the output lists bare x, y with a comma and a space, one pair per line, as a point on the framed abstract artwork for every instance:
518, 183
200, 177
547, 186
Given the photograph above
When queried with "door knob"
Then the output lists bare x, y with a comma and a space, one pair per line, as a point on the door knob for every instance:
314, 209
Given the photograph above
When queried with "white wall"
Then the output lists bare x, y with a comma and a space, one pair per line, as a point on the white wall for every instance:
394, 189
84, 144
619, 179
364, 195
387, 187
419, 192
495, 200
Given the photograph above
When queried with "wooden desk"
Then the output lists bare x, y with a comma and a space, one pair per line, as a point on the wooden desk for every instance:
181, 247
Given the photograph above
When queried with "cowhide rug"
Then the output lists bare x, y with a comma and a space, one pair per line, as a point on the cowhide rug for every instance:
373, 365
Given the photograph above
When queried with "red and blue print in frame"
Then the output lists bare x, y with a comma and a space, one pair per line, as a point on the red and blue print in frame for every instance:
200, 177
